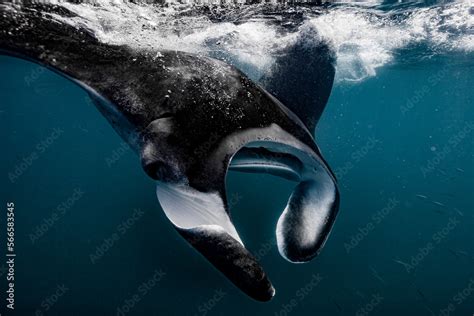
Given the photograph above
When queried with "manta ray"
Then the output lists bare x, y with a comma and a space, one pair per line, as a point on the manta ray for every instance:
191, 119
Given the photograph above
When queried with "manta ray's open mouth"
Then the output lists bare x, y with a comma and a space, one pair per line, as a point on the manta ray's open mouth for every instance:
203, 218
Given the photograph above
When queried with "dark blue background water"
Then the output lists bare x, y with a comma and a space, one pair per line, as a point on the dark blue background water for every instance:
401, 144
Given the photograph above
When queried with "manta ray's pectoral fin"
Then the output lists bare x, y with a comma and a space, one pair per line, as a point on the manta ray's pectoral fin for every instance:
202, 219
302, 76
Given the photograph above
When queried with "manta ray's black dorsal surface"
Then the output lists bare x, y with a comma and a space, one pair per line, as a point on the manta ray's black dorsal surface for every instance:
191, 118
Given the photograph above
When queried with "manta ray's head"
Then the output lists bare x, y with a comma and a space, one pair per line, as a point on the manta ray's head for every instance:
246, 129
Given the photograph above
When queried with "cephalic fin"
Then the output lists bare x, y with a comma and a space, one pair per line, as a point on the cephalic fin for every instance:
306, 222
202, 219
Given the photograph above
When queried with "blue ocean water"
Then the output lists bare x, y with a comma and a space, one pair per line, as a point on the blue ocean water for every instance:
92, 239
